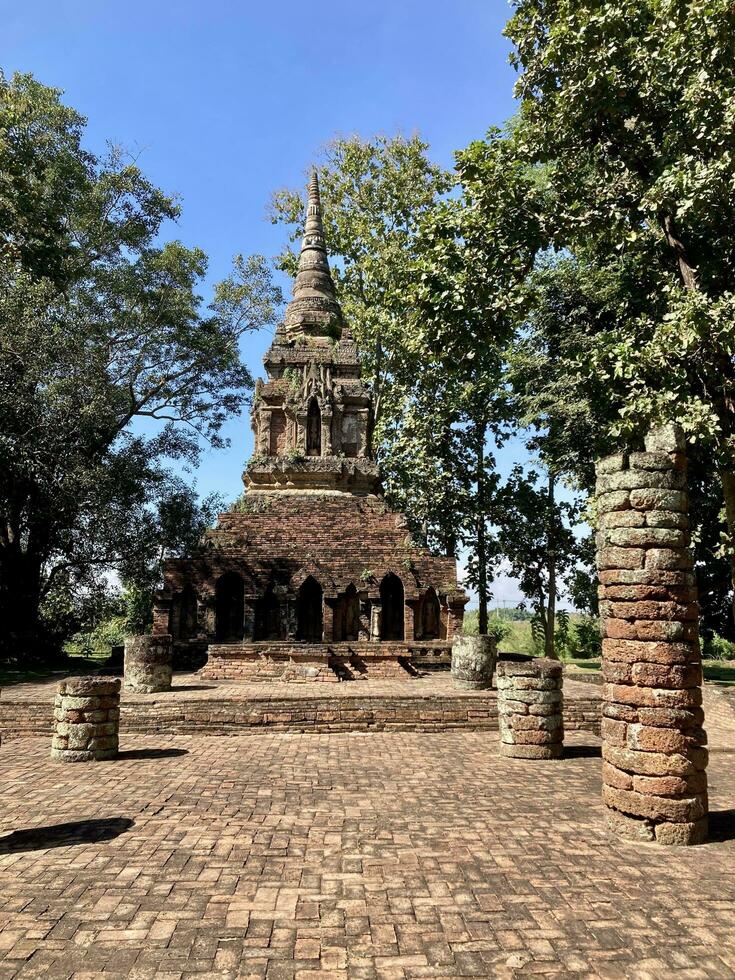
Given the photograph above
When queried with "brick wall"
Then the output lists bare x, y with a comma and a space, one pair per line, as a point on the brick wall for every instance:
228, 716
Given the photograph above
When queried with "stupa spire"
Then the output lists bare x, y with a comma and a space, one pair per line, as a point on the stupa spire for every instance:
314, 310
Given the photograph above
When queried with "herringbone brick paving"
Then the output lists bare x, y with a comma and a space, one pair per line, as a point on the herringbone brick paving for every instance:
355, 855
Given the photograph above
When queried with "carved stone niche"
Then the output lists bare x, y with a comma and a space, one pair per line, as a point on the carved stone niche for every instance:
349, 435
278, 432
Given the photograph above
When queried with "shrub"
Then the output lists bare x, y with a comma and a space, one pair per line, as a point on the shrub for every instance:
716, 647
495, 626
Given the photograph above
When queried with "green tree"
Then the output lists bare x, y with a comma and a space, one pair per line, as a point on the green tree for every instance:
430, 305
627, 106
473, 255
377, 195
537, 541
110, 366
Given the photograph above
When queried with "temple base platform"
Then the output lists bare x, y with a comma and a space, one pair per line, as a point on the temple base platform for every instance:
193, 706
300, 662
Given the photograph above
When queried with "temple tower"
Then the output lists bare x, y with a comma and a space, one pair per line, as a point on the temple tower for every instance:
311, 576
312, 418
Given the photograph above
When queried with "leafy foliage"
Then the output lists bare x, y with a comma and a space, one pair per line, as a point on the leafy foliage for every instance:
628, 110
109, 365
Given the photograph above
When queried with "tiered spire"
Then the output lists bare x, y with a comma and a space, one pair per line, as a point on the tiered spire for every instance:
314, 310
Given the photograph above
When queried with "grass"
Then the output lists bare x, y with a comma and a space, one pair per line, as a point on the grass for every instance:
719, 671
584, 664
519, 640
73, 664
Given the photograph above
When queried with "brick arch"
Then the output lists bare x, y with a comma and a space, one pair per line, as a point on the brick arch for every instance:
229, 591
393, 604
408, 580
208, 581
312, 570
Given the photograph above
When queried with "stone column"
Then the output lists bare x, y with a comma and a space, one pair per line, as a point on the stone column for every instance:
328, 620
654, 778
336, 440
365, 615
148, 663
327, 434
287, 614
410, 608
263, 443
300, 444
473, 662
530, 709
376, 612
207, 614
87, 718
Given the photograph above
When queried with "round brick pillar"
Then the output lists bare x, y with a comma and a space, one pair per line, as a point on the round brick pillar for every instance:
148, 663
473, 662
654, 760
87, 718
530, 709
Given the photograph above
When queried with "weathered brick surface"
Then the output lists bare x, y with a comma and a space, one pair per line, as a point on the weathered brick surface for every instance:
333, 857
654, 775
148, 663
424, 704
273, 660
473, 662
530, 708
86, 717
312, 553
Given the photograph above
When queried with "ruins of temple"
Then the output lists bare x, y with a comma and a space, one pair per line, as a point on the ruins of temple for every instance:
311, 575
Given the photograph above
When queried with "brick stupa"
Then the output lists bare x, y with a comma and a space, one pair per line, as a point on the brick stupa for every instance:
311, 577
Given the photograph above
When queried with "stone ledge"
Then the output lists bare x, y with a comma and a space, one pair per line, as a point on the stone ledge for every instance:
324, 713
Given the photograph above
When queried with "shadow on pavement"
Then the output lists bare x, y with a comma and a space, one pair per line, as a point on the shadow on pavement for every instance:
175, 688
582, 752
65, 834
151, 753
721, 825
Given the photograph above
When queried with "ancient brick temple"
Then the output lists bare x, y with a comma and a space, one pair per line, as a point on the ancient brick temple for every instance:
311, 576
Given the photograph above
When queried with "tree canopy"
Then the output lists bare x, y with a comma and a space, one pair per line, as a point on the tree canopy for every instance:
111, 366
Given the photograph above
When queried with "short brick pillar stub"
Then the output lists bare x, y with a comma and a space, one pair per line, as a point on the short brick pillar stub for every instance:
530, 709
654, 756
148, 660
473, 662
86, 719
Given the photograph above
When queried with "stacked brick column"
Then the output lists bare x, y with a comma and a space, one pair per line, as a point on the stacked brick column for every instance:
654, 779
530, 709
148, 663
87, 718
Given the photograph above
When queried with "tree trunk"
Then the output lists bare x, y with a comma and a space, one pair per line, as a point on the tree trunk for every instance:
20, 598
549, 649
727, 478
481, 535
687, 271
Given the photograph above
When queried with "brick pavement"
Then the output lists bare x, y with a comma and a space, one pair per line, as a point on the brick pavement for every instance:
350, 855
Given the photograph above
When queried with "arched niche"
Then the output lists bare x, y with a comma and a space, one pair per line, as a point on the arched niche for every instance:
350, 614
391, 602
278, 433
309, 612
430, 621
268, 616
313, 429
186, 602
229, 608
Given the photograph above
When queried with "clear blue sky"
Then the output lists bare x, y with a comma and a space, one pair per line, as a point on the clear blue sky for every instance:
228, 100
